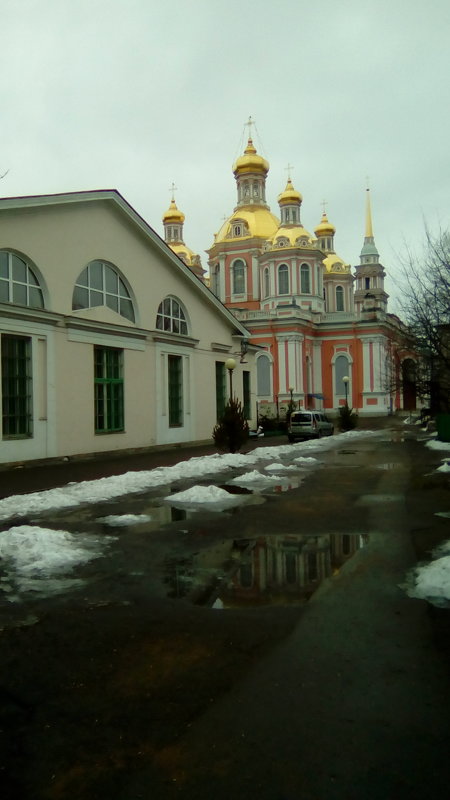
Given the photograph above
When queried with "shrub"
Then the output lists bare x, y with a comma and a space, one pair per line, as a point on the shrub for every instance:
231, 432
348, 419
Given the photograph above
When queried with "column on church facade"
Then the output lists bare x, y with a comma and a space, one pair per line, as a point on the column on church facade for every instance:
290, 365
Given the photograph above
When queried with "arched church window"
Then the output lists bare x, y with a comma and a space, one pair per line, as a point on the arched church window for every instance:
341, 370
238, 277
339, 298
266, 282
255, 189
18, 282
101, 285
263, 376
283, 279
171, 317
305, 279
237, 230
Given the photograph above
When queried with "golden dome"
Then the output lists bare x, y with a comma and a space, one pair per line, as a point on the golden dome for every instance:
335, 264
324, 228
295, 235
173, 214
258, 221
290, 195
250, 162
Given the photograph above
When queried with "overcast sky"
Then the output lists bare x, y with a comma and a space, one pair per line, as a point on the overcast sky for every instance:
135, 94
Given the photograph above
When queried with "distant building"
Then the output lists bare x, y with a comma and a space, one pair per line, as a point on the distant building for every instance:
109, 341
315, 321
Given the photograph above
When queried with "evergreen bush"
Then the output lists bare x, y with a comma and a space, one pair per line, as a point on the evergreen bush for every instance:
348, 419
231, 431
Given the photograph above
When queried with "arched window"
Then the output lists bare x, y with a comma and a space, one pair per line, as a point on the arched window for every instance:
283, 279
341, 370
266, 282
339, 298
305, 281
101, 285
171, 317
263, 375
238, 277
18, 283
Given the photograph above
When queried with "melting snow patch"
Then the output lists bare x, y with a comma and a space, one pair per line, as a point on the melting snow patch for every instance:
432, 581
37, 559
277, 466
256, 477
123, 520
435, 444
212, 497
445, 467
442, 514
306, 460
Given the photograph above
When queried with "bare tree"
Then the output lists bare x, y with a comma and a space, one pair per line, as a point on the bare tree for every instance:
425, 303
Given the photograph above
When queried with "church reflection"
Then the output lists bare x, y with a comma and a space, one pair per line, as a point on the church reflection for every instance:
271, 570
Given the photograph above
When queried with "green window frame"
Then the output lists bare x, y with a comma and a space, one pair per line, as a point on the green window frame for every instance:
17, 386
175, 385
221, 388
246, 393
108, 388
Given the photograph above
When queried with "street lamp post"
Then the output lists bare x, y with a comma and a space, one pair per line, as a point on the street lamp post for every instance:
345, 381
230, 365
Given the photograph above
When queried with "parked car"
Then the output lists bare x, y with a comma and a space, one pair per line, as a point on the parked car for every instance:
309, 425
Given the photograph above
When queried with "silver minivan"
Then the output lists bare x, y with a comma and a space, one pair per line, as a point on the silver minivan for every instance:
309, 425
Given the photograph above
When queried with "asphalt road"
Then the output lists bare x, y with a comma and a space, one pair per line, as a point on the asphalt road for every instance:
122, 691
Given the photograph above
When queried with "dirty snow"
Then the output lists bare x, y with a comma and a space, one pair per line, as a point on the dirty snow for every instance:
123, 520
432, 581
213, 497
104, 489
39, 559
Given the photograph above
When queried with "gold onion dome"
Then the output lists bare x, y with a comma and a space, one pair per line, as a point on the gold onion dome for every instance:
325, 227
250, 162
173, 214
290, 195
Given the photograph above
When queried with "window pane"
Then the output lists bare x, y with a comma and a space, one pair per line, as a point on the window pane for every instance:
35, 298
4, 268
175, 377
19, 269
95, 299
111, 280
283, 279
32, 280
112, 302
16, 387
166, 306
83, 280
4, 291
80, 298
96, 275
19, 294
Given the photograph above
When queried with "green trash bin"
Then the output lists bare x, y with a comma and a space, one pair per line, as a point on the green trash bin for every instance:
443, 427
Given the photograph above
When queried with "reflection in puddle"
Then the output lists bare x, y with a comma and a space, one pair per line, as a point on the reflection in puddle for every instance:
270, 570
389, 466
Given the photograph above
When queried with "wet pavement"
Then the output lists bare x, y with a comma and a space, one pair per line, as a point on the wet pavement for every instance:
264, 651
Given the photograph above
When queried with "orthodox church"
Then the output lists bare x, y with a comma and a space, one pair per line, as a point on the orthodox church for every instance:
322, 331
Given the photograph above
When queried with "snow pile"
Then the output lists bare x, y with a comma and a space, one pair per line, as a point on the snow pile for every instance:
34, 556
435, 444
277, 466
432, 581
104, 489
445, 467
123, 520
256, 478
212, 497
306, 460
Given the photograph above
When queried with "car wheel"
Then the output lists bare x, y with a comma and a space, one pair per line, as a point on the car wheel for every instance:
291, 439
319, 434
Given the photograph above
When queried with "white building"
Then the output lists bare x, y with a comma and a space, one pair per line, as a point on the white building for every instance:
109, 342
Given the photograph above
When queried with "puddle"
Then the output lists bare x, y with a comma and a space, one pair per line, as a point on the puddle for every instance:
269, 570
375, 499
388, 466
